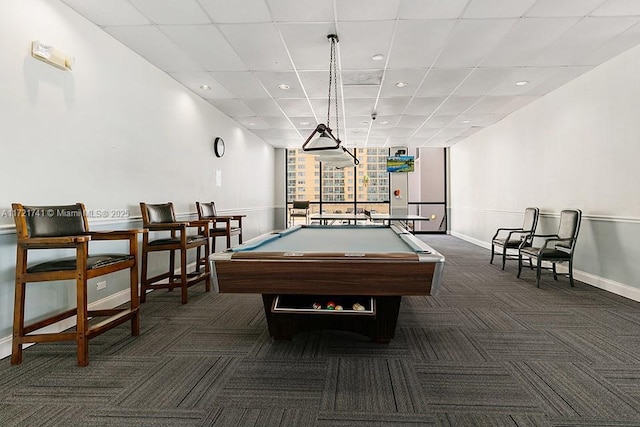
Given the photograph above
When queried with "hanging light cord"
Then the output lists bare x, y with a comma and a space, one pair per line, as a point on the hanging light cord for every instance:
333, 83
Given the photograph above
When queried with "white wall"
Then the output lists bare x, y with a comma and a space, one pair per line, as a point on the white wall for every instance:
113, 132
577, 147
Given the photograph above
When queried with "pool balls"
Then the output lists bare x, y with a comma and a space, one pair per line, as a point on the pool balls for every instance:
338, 307
358, 307
316, 306
331, 305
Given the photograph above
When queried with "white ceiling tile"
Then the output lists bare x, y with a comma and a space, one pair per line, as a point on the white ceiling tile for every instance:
482, 81
517, 103
392, 106
561, 77
231, 107
457, 104
386, 121
425, 132
622, 43
316, 83
489, 104
267, 54
150, 43
114, 12
367, 10
297, 107
357, 91
206, 45
497, 8
271, 79
194, 79
409, 121
562, 8
361, 122
241, 84
359, 106
279, 122
618, 8
576, 45
534, 75
441, 82
263, 107
308, 44
381, 133
301, 10
471, 41
413, 79
432, 9
440, 120
417, 43
403, 132
245, 11
527, 41
172, 11
252, 123
424, 106
359, 41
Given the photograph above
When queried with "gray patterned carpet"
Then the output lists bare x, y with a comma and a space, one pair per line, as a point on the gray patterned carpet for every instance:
489, 350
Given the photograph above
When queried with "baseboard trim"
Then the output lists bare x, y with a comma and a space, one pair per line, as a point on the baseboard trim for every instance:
612, 286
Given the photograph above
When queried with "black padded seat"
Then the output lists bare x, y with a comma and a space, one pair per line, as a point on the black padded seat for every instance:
93, 262
547, 254
168, 241
507, 243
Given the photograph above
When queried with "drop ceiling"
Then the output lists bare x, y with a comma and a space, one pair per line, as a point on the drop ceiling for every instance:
458, 60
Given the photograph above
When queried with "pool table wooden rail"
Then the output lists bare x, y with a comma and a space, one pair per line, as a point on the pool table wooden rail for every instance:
325, 275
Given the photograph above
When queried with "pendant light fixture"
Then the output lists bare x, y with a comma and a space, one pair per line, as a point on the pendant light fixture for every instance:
322, 142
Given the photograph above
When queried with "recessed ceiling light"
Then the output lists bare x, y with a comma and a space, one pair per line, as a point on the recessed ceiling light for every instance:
205, 87
378, 57
402, 84
251, 124
466, 121
304, 123
522, 83
284, 86
384, 122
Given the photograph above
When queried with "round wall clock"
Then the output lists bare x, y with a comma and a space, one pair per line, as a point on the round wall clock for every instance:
218, 146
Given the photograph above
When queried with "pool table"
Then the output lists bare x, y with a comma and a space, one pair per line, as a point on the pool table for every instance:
364, 269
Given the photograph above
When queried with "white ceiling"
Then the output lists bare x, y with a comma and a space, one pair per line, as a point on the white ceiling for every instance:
459, 58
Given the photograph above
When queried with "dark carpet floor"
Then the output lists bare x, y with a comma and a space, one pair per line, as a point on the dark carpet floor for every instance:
490, 350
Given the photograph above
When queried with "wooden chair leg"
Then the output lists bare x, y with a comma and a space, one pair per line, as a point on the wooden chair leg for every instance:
82, 320
571, 272
183, 276
555, 273
504, 256
18, 323
143, 285
135, 300
519, 264
538, 272
492, 253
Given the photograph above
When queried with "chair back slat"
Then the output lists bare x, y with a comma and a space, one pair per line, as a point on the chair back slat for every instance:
158, 214
530, 219
206, 210
53, 221
569, 227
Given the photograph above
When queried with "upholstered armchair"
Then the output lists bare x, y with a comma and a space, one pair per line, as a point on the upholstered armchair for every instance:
41, 228
514, 238
555, 248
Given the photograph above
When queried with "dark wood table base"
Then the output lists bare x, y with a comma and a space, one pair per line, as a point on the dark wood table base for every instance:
380, 326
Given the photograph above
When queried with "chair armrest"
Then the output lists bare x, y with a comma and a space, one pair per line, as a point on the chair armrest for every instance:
115, 234
167, 226
52, 242
503, 229
555, 239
